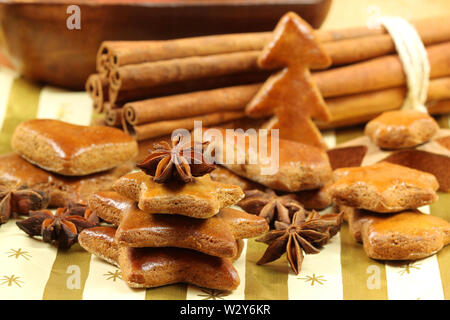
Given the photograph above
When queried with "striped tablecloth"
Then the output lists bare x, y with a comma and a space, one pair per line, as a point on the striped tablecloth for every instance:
31, 269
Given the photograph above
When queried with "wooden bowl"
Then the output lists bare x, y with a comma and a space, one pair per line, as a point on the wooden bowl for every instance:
42, 48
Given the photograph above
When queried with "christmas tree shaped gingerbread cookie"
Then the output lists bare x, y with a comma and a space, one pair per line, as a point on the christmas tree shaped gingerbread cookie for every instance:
290, 96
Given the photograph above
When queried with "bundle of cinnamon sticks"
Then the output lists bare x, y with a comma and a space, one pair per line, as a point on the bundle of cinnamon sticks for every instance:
150, 88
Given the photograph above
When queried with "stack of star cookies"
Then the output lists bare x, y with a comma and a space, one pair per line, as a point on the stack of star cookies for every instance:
172, 223
381, 201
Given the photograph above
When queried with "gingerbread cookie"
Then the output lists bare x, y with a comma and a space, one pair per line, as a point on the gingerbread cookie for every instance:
295, 167
70, 149
317, 199
290, 94
201, 198
311, 199
154, 267
401, 129
345, 157
214, 236
436, 164
110, 206
407, 235
432, 157
383, 187
16, 171
211, 236
224, 175
100, 242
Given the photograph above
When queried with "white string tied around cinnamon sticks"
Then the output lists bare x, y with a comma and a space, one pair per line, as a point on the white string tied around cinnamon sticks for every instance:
413, 55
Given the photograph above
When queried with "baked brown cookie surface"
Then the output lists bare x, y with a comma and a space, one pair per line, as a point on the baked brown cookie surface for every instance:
383, 187
211, 236
317, 199
100, 242
15, 170
154, 267
223, 175
199, 199
110, 206
407, 235
401, 129
214, 236
295, 167
70, 149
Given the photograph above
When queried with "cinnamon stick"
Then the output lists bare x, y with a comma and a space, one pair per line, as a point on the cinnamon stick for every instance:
97, 88
378, 73
148, 51
439, 106
155, 129
102, 63
359, 108
357, 44
123, 96
123, 53
431, 31
136, 52
237, 97
189, 104
153, 74
347, 110
113, 117
353, 108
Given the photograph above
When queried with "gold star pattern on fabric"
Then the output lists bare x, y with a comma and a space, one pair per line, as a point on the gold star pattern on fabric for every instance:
11, 280
213, 294
314, 279
289, 95
406, 268
17, 253
110, 275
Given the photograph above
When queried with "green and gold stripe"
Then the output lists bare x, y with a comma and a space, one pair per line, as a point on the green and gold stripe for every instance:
362, 277
68, 276
171, 292
268, 281
22, 105
441, 209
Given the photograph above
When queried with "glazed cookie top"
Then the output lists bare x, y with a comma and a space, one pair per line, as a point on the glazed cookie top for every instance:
295, 167
383, 187
70, 149
406, 235
199, 199
384, 176
401, 129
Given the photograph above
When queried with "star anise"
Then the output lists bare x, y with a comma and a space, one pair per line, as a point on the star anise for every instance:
186, 157
270, 206
61, 228
307, 233
19, 200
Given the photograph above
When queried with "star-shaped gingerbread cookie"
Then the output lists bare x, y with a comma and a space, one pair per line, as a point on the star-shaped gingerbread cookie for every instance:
383, 187
201, 198
154, 267
432, 156
215, 236
408, 235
